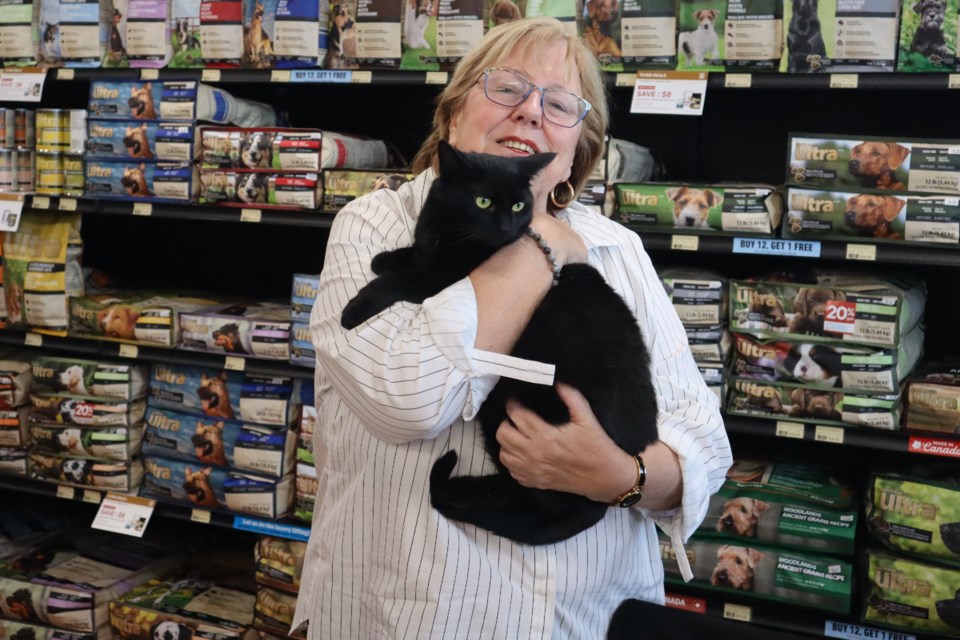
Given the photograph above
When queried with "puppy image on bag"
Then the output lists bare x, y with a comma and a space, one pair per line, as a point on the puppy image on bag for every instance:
814, 363
416, 19
736, 567
809, 307
807, 52
691, 207
741, 515
702, 43
928, 36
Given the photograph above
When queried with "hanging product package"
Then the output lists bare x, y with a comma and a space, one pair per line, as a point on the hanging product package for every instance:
18, 33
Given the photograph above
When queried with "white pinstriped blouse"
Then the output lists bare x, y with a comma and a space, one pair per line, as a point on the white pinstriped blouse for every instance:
395, 394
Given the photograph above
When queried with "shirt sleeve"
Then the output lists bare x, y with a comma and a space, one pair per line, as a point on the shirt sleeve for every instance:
410, 371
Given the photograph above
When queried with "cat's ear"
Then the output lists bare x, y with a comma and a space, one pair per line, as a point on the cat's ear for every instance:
452, 162
532, 165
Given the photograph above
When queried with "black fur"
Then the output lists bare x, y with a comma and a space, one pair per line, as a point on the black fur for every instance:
582, 326
950, 534
805, 46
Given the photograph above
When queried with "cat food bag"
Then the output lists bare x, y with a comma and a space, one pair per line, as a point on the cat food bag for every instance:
185, 46
102, 443
102, 412
301, 349
105, 475
871, 216
928, 36
14, 428
378, 34
18, 33
221, 33
306, 288
42, 270
259, 330
140, 141
116, 56
699, 297
343, 186
912, 596
81, 378
148, 33
167, 100
259, 189
933, 399
140, 181
822, 366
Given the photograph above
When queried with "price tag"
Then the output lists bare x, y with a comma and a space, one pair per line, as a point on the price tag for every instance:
437, 77
790, 430
149, 74
362, 77
33, 340
737, 612
625, 79
11, 211
280, 75
142, 209
833, 435
684, 243
738, 81
210, 75
91, 496
124, 514
64, 74
40, 202
867, 252
234, 363
672, 92
199, 515
67, 204
66, 492
839, 316
777, 247
844, 80
953, 82
250, 215
128, 351
21, 85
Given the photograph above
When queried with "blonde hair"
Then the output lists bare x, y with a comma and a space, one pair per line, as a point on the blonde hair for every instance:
522, 37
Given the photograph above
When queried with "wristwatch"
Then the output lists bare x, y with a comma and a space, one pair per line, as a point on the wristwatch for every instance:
632, 495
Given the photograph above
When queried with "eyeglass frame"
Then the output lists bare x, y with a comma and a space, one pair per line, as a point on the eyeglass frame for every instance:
530, 87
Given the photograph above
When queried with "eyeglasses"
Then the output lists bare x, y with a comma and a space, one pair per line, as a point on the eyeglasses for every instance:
509, 89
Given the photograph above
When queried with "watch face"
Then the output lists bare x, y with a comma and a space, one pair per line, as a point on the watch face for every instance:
630, 500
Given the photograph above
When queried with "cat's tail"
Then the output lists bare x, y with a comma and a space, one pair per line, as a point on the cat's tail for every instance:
440, 474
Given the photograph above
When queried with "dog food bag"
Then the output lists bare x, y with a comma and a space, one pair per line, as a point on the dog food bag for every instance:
18, 33
301, 349
41, 270
745, 516
13, 462
341, 35
105, 475
699, 297
13, 630
341, 187
263, 190
752, 571
80, 378
139, 141
801, 404
115, 55
871, 217
807, 482
221, 33
742, 210
378, 34
16, 379
228, 444
261, 149
306, 288
901, 593
420, 25
206, 487
709, 344
273, 612
102, 443
14, 430
864, 310
728, 34
133, 317
296, 35
601, 28
71, 411
928, 36
153, 182
185, 34
716, 379
148, 33
823, 366
846, 163
83, 38
259, 330
279, 563
167, 100
306, 492
305, 442
933, 399
67, 579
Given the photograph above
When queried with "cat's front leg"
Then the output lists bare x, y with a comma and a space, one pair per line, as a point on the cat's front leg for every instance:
396, 260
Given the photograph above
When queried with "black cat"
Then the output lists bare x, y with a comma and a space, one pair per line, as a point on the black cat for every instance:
583, 327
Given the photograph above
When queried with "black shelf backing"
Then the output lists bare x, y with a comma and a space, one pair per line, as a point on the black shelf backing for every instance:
852, 436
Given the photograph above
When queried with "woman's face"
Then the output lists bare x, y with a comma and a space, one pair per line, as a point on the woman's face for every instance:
486, 127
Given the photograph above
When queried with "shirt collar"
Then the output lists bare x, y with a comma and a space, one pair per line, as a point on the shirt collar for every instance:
595, 230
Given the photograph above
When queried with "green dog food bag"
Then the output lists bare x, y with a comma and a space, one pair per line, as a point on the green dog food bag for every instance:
905, 594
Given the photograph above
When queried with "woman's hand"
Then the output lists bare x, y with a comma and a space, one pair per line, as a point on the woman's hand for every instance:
567, 245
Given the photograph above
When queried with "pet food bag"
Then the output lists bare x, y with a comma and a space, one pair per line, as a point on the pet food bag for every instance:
699, 297
928, 36
167, 100
274, 610
185, 34
341, 187
103, 475
74, 35
80, 378
301, 349
823, 366
715, 377
917, 513
260, 149
208, 487
740, 209
103, 412
378, 34
601, 28
115, 55
305, 442
306, 288
148, 34
66, 580
148, 182
709, 344
759, 572
18, 33
15, 630
728, 35
845, 163
14, 429
871, 217
133, 317
14, 462
259, 330
305, 500
41, 270
806, 482
280, 34
16, 379
912, 596
221, 443
421, 31
933, 399
101, 443
139, 141
221, 394
221, 33
279, 563
261, 190
837, 309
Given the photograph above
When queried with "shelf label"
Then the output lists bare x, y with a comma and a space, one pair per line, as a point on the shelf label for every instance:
362, 77
128, 351
684, 243
437, 77
67, 204
789, 429
332, 76
738, 81
625, 79
210, 75
953, 82
142, 209
279, 529
66, 492
686, 603
737, 612
844, 80
40, 202
934, 447
847, 631
10, 213
280, 75
124, 514
149, 74
670, 92
64, 74
777, 247
235, 363
250, 215
833, 435
33, 340
21, 85
200, 515
866, 252
91, 496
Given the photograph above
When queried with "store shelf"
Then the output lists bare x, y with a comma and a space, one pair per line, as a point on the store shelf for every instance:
281, 528
183, 211
113, 350
852, 251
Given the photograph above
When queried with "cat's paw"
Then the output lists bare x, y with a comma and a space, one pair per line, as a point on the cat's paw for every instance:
356, 313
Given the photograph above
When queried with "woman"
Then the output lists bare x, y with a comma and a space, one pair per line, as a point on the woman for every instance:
397, 392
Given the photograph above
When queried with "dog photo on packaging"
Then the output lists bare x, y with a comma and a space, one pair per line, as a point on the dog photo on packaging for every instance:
420, 34
116, 56
185, 34
19, 34
928, 36
49, 50
700, 35
342, 35
601, 32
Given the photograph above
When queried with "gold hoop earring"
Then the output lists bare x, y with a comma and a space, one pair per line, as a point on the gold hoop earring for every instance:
570, 197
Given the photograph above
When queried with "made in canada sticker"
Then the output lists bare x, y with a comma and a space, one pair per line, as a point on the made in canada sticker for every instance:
696, 605
839, 316
934, 447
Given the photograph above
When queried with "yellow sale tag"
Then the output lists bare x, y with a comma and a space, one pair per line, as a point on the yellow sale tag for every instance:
361, 77
92, 497
142, 208
235, 363
210, 75
64, 74
65, 492
867, 252
789, 429
844, 80
833, 435
149, 74
738, 81
625, 79
128, 351
737, 612
201, 516
67, 204
280, 75
41, 202
684, 243
437, 77
250, 215
33, 340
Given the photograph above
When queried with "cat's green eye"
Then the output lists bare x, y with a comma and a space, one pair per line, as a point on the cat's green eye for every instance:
517, 208
482, 202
